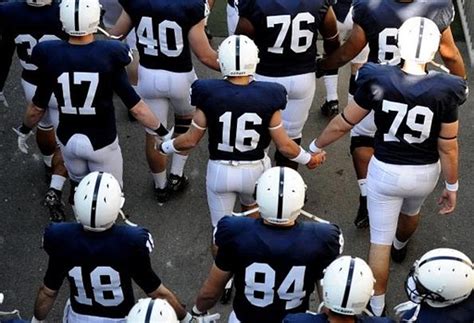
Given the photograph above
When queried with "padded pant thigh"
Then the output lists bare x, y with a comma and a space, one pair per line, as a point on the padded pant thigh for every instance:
301, 89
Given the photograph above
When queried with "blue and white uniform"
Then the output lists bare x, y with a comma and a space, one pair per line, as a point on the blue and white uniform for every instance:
275, 268
100, 267
84, 79
238, 118
405, 167
323, 318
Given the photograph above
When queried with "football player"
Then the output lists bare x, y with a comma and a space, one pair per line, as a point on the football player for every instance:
285, 32
24, 25
348, 284
380, 32
83, 74
343, 12
243, 116
416, 138
439, 287
99, 258
166, 30
276, 260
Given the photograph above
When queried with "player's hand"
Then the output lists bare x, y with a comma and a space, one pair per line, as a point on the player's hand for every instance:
316, 160
447, 201
168, 136
23, 134
3, 100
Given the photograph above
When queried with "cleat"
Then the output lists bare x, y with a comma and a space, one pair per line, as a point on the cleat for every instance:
53, 201
398, 255
362, 219
162, 195
330, 108
177, 183
227, 295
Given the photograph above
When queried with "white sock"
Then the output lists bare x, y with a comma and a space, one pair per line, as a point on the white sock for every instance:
177, 164
399, 244
362, 186
377, 303
57, 182
330, 81
159, 179
48, 160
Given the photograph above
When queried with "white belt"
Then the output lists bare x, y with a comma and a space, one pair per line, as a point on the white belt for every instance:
240, 162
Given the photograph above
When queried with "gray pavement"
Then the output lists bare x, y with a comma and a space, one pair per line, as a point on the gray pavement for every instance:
181, 228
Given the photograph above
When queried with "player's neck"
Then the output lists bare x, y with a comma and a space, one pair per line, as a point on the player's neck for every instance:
81, 40
414, 68
337, 318
239, 80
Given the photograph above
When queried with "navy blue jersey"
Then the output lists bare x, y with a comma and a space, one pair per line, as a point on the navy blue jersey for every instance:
99, 266
380, 19
27, 26
275, 268
459, 313
238, 117
341, 9
285, 33
162, 28
83, 79
409, 110
323, 318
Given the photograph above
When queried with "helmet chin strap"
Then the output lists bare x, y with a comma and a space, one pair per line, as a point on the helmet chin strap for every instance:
125, 219
102, 30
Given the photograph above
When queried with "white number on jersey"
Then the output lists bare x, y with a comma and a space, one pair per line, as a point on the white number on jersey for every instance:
79, 78
301, 39
412, 121
112, 287
31, 42
290, 290
385, 48
241, 134
151, 42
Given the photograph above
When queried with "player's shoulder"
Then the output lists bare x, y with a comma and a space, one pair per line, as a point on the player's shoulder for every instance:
56, 234
115, 50
370, 71
270, 86
207, 85
131, 234
230, 227
374, 319
450, 86
321, 230
305, 318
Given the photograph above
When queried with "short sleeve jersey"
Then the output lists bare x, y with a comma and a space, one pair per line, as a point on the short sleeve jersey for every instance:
409, 110
99, 266
457, 313
27, 26
238, 117
323, 318
285, 33
83, 79
275, 268
380, 20
162, 29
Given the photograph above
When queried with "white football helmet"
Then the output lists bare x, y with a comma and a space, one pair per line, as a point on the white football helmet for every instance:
39, 3
152, 310
348, 284
280, 195
418, 40
441, 277
97, 201
80, 18
238, 56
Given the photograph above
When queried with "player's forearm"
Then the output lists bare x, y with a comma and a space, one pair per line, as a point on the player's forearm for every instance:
33, 116
455, 63
448, 155
206, 300
334, 130
145, 116
44, 302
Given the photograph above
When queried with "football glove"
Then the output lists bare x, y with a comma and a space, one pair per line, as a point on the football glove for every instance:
3, 100
23, 134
